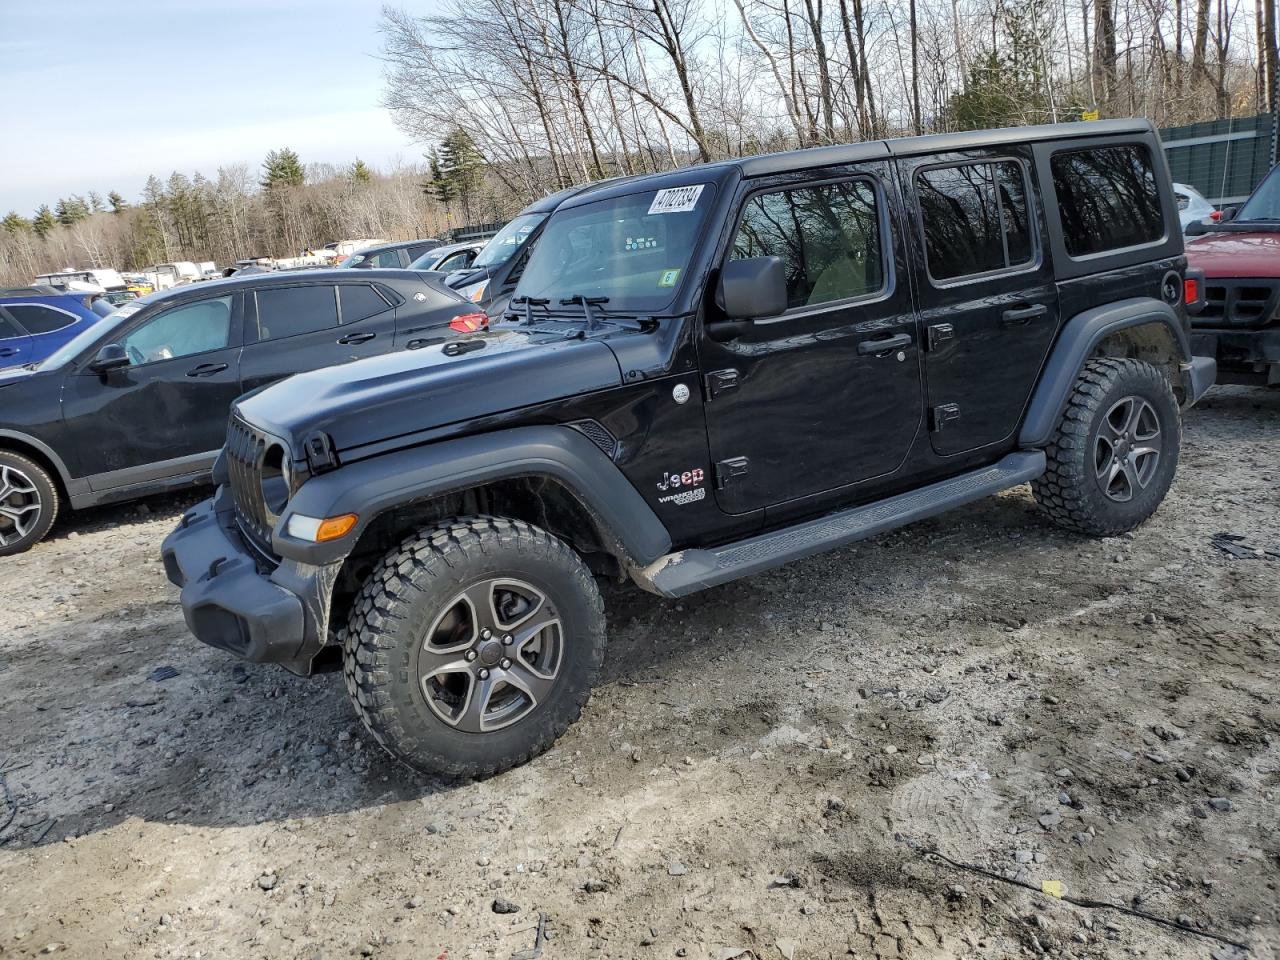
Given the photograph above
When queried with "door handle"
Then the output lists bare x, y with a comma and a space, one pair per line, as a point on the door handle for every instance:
357, 338
885, 345
8, 352
1020, 315
206, 369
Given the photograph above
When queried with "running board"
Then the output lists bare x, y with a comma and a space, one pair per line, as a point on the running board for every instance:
688, 571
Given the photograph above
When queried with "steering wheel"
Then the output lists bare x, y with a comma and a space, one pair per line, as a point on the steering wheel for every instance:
135, 355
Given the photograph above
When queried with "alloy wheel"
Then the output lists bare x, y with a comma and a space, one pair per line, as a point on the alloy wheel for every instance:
491, 656
1126, 449
20, 505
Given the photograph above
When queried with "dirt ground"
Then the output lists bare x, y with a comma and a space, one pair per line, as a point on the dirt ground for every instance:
761, 774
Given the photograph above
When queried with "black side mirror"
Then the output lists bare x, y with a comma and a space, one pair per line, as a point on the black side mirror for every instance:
754, 288
1228, 213
111, 357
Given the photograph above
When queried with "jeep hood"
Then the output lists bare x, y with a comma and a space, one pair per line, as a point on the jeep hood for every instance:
381, 398
1243, 255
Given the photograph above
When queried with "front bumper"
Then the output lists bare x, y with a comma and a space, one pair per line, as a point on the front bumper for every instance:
229, 602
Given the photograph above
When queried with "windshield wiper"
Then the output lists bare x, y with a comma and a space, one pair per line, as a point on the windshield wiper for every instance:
588, 312
529, 303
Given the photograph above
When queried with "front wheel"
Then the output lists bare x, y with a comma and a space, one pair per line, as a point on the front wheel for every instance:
1115, 451
474, 645
28, 503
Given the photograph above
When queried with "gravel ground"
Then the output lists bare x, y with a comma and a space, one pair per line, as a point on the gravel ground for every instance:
761, 774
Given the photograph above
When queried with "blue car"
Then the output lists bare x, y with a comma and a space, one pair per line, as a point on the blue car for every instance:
36, 321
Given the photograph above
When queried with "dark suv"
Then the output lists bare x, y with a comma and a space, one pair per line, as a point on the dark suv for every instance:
137, 402
704, 374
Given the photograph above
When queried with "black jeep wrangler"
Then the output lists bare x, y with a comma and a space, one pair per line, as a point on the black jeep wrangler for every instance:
703, 374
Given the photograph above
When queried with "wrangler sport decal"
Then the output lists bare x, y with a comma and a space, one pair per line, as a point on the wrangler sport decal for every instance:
687, 486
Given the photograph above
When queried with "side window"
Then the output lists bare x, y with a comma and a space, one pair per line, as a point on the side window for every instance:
455, 261
36, 319
827, 236
181, 332
360, 302
387, 258
289, 311
1107, 198
976, 218
7, 330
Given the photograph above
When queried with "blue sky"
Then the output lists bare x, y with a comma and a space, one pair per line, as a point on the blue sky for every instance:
97, 94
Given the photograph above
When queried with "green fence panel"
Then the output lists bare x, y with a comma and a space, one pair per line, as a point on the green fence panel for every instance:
1223, 159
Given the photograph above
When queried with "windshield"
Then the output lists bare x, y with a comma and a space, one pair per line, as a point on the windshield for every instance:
67, 352
1265, 202
508, 240
633, 249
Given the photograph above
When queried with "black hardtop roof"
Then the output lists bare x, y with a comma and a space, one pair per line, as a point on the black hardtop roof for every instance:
789, 161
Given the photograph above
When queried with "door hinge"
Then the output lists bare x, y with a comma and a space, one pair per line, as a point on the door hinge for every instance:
943, 414
940, 333
718, 381
728, 470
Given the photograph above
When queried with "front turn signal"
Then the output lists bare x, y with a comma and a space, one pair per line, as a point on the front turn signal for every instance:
320, 530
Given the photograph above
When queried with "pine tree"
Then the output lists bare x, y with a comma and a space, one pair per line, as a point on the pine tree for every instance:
71, 210
282, 168
13, 223
438, 186
43, 222
360, 172
95, 202
118, 204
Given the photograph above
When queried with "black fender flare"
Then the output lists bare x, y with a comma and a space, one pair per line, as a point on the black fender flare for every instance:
1079, 338
45, 450
370, 487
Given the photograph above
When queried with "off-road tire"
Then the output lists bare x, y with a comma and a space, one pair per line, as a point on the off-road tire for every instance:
43, 486
400, 601
1070, 490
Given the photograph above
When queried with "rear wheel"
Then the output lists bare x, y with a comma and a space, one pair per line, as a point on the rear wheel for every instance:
1115, 451
28, 503
473, 645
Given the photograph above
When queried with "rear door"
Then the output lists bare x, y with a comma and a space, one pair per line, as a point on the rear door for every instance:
15, 343
987, 296
47, 326
306, 326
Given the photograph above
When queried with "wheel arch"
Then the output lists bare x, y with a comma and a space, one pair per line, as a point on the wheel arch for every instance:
550, 476
1140, 328
40, 453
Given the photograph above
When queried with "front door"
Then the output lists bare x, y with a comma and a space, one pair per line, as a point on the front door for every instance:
164, 415
988, 303
312, 325
827, 393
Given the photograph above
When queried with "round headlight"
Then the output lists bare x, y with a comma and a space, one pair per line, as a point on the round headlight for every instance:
276, 478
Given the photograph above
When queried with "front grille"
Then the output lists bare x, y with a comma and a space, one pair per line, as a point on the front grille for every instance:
246, 447
1239, 303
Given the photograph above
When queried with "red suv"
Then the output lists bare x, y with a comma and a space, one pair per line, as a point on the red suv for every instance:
1239, 256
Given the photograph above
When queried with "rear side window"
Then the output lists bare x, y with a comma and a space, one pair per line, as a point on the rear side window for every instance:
387, 258
1107, 198
976, 218
7, 330
36, 319
360, 302
827, 236
289, 311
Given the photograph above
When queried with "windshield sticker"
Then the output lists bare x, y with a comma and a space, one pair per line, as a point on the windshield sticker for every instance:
668, 278
640, 243
676, 199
